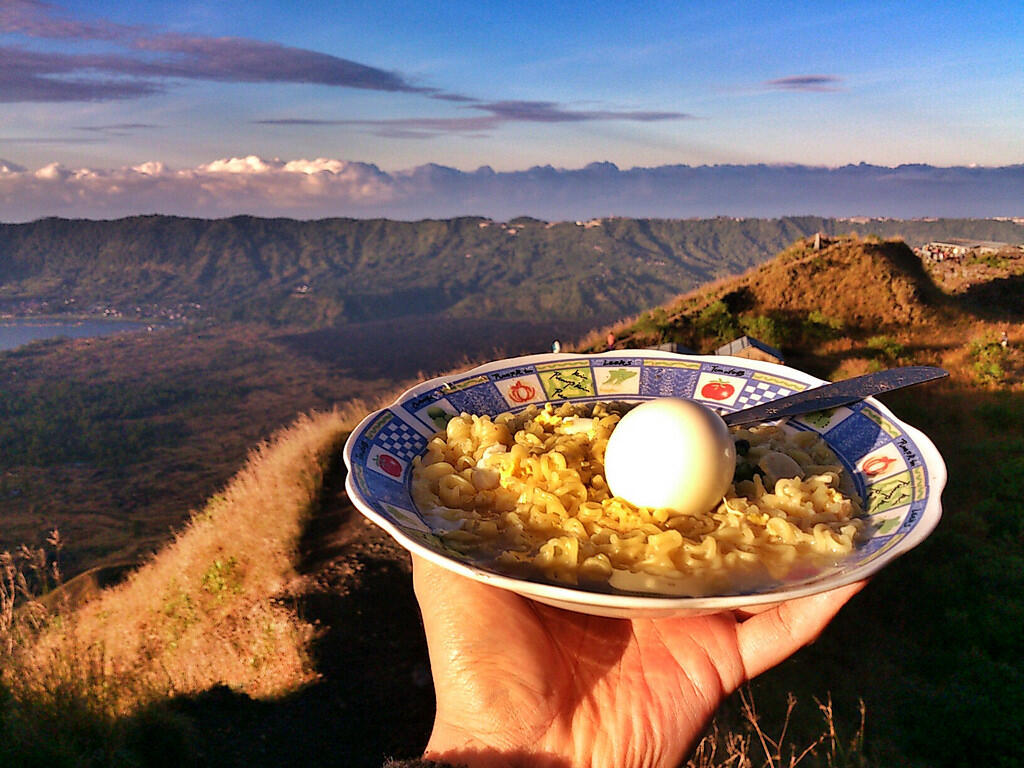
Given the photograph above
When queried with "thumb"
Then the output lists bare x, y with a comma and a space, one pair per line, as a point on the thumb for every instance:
770, 637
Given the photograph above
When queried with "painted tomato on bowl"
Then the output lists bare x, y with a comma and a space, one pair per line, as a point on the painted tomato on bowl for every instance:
717, 390
389, 465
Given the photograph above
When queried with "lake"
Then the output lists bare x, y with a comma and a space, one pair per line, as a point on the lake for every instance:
15, 333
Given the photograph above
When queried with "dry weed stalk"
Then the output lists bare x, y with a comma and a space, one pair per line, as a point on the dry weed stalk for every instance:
12, 586
838, 754
24, 576
773, 748
734, 749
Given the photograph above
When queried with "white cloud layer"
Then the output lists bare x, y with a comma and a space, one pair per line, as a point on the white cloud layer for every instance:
326, 187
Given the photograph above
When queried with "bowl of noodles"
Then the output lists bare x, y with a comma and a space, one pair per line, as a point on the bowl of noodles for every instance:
497, 473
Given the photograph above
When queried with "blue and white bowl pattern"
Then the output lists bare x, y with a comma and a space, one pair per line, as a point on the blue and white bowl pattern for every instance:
896, 469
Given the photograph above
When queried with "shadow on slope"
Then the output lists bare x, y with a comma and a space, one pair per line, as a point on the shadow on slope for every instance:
374, 698
405, 347
934, 637
999, 300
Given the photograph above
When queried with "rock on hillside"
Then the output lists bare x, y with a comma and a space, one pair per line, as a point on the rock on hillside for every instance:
864, 283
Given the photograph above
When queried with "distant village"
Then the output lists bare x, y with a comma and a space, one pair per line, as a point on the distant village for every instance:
40, 308
958, 249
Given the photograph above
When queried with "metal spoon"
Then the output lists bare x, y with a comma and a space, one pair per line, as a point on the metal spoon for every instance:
838, 393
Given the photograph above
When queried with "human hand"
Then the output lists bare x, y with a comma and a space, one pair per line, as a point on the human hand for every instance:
521, 683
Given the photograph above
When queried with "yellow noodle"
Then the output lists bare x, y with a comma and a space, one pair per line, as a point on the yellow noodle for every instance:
527, 491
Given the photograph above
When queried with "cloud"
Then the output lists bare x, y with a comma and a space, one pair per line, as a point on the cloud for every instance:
498, 113
254, 61
37, 19
222, 187
47, 76
99, 134
117, 129
404, 128
551, 112
150, 62
8, 167
52, 140
324, 187
453, 97
816, 83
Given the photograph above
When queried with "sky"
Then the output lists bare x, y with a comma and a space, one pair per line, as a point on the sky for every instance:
336, 103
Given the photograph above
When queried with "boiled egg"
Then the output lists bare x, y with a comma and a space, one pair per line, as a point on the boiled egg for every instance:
670, 453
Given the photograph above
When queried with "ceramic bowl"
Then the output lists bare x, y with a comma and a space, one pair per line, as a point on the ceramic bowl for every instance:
895, 467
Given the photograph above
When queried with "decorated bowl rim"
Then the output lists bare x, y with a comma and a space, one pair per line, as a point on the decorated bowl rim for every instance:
621, 600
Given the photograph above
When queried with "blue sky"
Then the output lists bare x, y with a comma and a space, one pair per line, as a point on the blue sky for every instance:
106, 85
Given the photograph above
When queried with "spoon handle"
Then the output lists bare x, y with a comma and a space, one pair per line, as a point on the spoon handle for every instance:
838, 393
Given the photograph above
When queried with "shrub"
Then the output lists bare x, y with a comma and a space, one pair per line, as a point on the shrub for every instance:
886, 348
765, 328
814, 328
821, 326
717, 322
651, 323
989, 360
993, 260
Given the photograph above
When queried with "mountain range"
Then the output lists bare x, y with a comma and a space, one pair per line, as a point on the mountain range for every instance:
318, 273
325, 187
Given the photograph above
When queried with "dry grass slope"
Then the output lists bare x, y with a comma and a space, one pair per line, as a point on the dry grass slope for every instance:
863, 283
206, 610
855, 305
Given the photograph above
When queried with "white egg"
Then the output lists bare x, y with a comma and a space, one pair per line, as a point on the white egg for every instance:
670, 453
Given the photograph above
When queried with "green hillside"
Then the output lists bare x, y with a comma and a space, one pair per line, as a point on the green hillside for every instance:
316, 273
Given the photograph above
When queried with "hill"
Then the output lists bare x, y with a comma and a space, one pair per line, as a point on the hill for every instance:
317, 273
869, 283
810, 301
933, 639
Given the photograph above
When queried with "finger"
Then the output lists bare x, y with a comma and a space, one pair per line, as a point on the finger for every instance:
428, 579
768, 638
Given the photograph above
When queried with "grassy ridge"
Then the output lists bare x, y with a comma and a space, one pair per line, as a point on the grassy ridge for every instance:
87, 687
